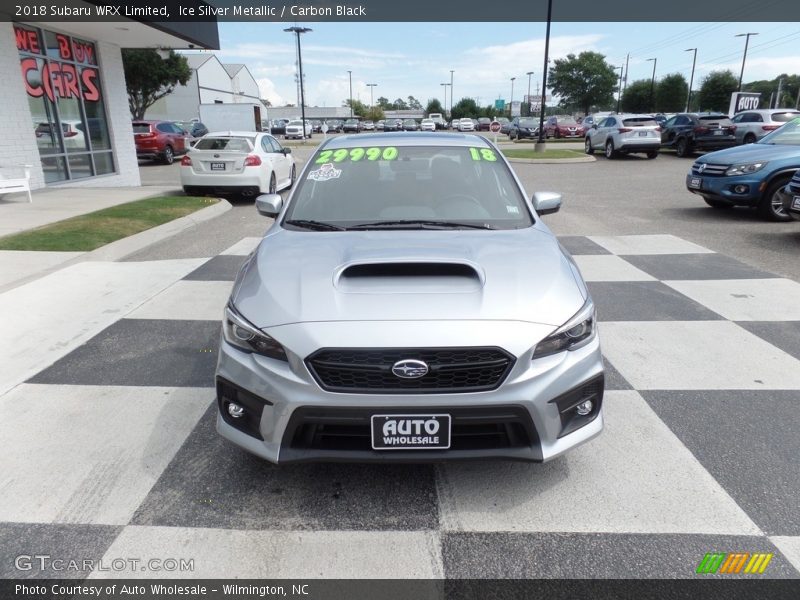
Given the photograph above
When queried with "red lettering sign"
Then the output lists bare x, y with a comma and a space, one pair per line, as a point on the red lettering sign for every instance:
64, 47
30, 65
27, 40
59, 80
83, 52
90, 91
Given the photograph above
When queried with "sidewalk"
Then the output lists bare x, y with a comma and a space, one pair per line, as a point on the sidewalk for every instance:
56, 204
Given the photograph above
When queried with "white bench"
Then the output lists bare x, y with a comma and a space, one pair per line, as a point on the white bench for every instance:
12, 185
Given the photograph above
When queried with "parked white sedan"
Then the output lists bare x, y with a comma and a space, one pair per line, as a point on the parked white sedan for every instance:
466, 125
246, 163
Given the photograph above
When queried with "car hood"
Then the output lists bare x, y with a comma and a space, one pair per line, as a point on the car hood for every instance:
750, 153
515, 275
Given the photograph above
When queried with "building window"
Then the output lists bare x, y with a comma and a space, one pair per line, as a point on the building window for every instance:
62, 78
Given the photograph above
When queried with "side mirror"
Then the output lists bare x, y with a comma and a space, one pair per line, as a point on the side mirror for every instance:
269, 205
544, 203
594, 125
287, 151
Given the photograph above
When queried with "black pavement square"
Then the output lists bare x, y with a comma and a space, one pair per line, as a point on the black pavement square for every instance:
219, 268
748, 441
212, 483
613, 378
677, 267
645, 301
507, 555
62, 542
144, 352
781, 334
578, 244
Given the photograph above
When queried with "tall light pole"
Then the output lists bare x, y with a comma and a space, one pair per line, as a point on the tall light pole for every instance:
691, 78
540, 142
619, 87
445, 99
744, 58
371, 86
350, 76
511, 102
529, 73
653, 84
298, 30
451, 91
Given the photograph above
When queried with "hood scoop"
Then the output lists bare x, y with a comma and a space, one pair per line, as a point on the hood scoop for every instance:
409, 278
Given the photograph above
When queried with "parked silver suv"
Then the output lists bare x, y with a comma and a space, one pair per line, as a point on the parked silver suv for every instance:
752, 125
409, 304
623, 134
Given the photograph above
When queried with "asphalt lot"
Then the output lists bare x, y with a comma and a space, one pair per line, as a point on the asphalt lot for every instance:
629, 195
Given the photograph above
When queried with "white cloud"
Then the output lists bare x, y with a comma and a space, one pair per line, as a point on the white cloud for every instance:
267, 89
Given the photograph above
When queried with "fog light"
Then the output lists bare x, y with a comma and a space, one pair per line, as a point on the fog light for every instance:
584, 408
740, 189
237, 411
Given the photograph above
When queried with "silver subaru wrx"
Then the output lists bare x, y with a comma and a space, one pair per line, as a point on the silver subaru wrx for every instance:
409, 304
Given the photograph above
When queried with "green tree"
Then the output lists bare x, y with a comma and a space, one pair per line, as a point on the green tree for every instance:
375, 114
466, 108
400, 104
149, 77
671, 93
414, 104
434, 106
359, 108
384, 103
636, 98
583, 81
768, 87
715, 91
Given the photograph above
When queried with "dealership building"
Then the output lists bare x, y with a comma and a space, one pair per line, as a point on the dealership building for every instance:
64, 102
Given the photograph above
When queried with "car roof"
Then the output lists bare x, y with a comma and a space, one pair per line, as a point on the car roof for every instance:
423, 138
234, 133
764, 111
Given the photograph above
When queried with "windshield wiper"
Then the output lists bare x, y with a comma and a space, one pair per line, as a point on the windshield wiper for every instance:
314, 225
419, 224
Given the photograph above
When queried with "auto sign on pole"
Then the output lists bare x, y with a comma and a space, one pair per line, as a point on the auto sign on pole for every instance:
494, 127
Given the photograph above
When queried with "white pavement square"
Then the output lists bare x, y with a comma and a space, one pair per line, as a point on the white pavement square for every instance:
746, 299
187, 300
59, 312
636, 477
222, 553
607, 267
243, 247
89, 454
648, 244
18, 264
790, 547
696, 355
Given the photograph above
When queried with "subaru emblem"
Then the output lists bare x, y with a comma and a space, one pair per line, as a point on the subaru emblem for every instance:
701, 167
410, 369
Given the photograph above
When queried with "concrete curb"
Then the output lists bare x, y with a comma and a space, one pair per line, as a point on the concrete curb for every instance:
126, 246
551, 161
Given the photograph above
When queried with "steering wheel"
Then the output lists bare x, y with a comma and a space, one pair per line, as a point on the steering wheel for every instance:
462, 200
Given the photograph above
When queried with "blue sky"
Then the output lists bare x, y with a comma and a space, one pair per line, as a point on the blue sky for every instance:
415, 58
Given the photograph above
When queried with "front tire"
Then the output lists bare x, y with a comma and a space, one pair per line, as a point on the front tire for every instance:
652, 154
749, 139
770, 207
587, 147
610, 152
682, 149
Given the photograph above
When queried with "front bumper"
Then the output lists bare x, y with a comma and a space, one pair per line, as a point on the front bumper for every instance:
724, 188
791, 203
289, 405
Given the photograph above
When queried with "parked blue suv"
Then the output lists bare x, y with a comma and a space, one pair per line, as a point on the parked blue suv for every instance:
751, 175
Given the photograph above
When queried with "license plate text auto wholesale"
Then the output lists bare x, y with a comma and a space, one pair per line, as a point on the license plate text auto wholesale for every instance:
410, 432
796, 203
217, 166
696, 182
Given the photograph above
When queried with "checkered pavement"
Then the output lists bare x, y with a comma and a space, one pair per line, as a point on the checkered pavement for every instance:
110, 449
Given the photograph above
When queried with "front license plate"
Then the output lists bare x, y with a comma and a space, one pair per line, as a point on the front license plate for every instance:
410, 432
695, 182
718, 132
218, 166
796, 203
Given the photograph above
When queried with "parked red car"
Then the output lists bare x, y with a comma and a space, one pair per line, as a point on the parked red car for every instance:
159, 140
563, 127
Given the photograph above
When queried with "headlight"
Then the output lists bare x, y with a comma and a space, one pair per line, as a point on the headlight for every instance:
575, 333
745, 168
238, 332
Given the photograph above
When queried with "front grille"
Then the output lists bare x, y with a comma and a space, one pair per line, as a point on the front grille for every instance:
369, 370
349, 430
794, 184
710, 170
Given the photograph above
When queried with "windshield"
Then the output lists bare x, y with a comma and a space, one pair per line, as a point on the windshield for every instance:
295, 123
368, 185
137, 127
567, 122
784, 117
788, 134
234, 144
527, 123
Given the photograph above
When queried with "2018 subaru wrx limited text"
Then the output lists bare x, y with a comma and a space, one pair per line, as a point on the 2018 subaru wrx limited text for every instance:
409, 304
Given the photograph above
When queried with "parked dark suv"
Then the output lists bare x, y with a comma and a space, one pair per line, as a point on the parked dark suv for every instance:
688, 132
159, 140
